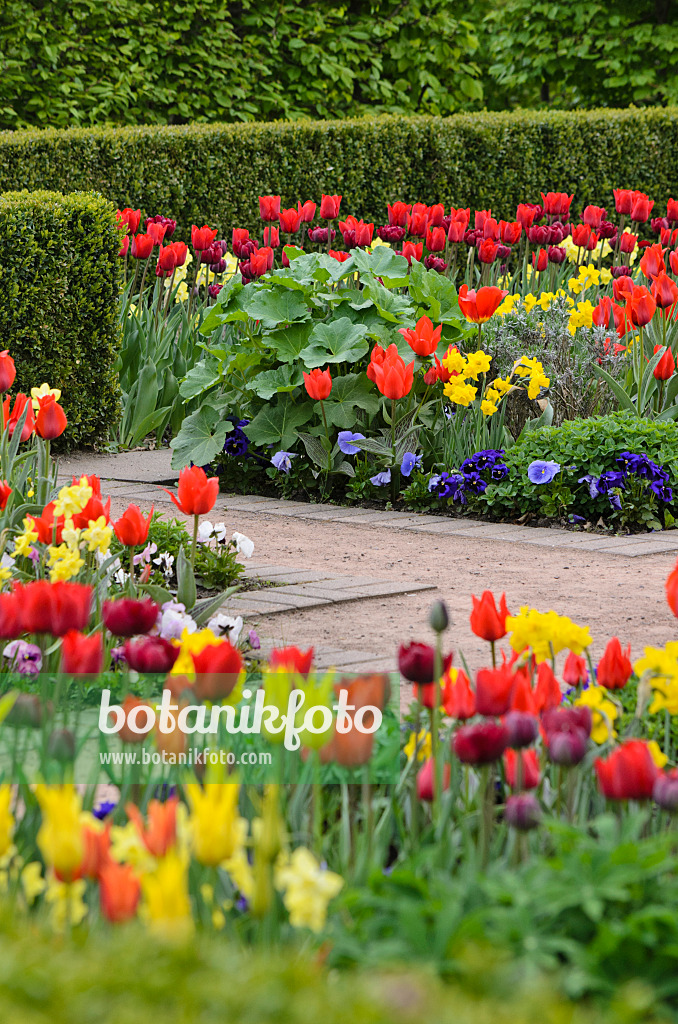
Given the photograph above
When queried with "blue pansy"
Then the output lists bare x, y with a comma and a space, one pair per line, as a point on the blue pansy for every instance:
541, 472
410, 461
346, 440
283, 461
381, 479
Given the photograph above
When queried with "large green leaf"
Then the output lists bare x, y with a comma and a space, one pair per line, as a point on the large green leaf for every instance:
228, 306
391, 306
279, 424
271, 382
277, 306
200, 439
383, 262
315, 450
289, 342
336, 342
198, 379
351, 392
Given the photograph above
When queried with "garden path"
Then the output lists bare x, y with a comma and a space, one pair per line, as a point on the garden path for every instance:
357, 583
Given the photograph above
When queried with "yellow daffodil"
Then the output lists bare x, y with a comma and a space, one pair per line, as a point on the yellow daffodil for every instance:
488, 408
6, 819
460, 393
60, 835
307, 889
68, 903
658, 755
421, 740
32, 882
603, 712
98, 535
42, 392
72, 500
65, 563
477, 363
25, 541
546, 633
453, 361
217, 831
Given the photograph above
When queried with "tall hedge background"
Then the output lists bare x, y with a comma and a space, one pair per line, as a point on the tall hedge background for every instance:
60, 280
214, 173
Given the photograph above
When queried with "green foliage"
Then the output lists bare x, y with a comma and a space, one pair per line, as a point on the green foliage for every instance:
130, 61
59, 296
587, 447
214, 173
578, 53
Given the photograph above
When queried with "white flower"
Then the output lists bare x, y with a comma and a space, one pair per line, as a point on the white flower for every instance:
173, 620
226, 625
165, 561
243, 545
205, 531
220, 532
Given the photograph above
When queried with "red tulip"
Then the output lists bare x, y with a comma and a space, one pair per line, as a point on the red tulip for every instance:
167, 258
529, 774
666, 367
594, 216
142, 246
92, 511
640, 306
490, 229
81, 654
272, 237
5, 492
341, 257
197, 493
132, 529
487, 621
269, 208
481, 743
119, 892
627, 242
122, 251
664, 291
629, 773
556, 204
397, 214
318, 384
435, 239
614, 668
10, 616
307, 211
540, 260
522, 726
522, 812
456, 230
156, 231
12, 419
581, 234
623, 200
202, 238
539, 234
510, 231
547, 693
130, 218
413, 251
44, 525
53, 607
291, 659
417, 220
641, 207
51, 419
523, 698
672, 590
127, 617
393, 378
622, 288
217, 669
556, 254
487, 251
672, 211
423, 339
575, 670
329, 207
458, 699
425, 783
290, 220
652, 262
7, 371
479, 306
525, 214
493, 690
150, 654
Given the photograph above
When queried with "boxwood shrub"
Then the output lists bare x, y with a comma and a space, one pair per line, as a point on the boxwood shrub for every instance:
215, 173
583, 447
60, 280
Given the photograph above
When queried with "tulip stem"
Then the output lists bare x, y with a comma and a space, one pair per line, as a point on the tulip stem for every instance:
435, 745
195, 541
394, 490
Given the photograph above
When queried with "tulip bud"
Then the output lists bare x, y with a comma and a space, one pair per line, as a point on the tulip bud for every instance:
438, 617
665, 791
61, 745
567, 748
522, 728
26, 711
425, 779
522, 812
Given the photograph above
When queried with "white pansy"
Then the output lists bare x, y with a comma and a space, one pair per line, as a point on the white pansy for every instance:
243, 545
226, 625
220, 532
205, 531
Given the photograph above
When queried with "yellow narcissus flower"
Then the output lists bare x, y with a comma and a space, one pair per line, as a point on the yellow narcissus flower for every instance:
190, 644
307, 889
477, 363
454, 361
6, 819
65, 563
658, 755
68, 903
421, 740
216, 830
98, 535
488, 408
32, 882
42, 392
72, 500
508, 305
546, 633
70, 535
530, 301
459, 393
603, 712
501, 385
25, 541
167, 905
60, 835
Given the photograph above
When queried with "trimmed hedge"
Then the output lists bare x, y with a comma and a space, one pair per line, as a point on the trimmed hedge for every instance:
60, 281
214, 173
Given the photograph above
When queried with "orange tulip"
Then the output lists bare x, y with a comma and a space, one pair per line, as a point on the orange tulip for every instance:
160, 834
217, 668
119, 892
423, 339
391, 375
479, 306
132, 529
197, 492
51, 419
487, 621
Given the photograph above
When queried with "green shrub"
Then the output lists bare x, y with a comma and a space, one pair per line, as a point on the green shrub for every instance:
584, 447
59, 292
215, 173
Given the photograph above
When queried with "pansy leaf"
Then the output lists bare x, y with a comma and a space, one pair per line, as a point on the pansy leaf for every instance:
279, 424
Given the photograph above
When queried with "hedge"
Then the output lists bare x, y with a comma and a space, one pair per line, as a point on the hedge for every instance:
60, 280
214, 173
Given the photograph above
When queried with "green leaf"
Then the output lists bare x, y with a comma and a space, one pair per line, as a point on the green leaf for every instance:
278, 424
314, 449
391, 307
351, 392
200, 439
619, 392
383, 262
198, 379
271, 382
277, 306
336, 342
228, 306
289, 342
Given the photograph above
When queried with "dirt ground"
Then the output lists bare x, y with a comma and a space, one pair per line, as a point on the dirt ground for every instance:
611, 594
